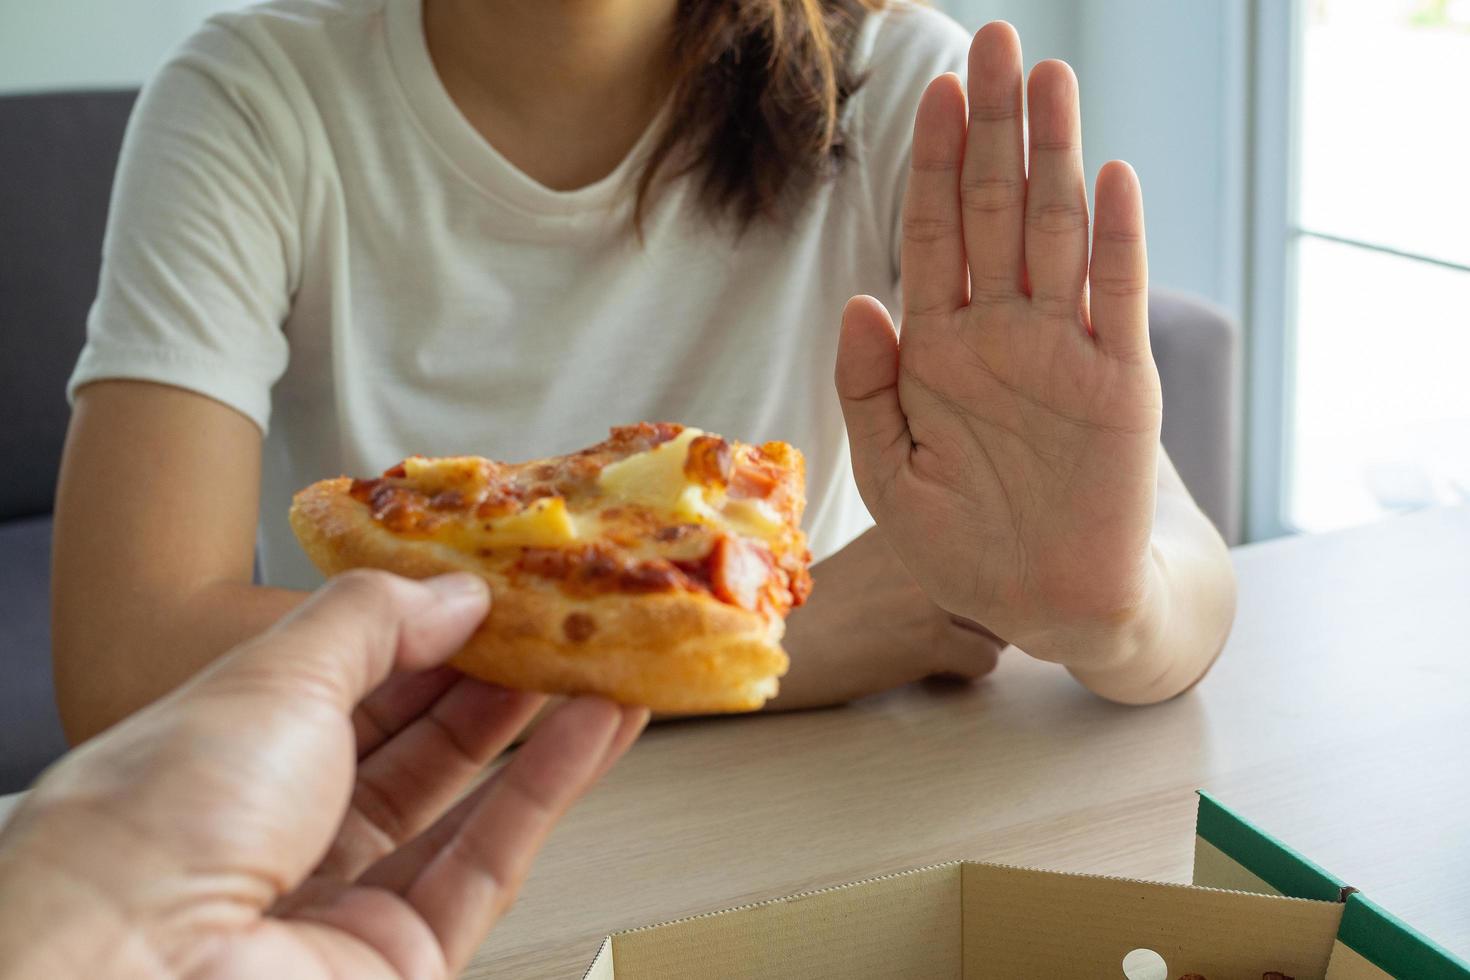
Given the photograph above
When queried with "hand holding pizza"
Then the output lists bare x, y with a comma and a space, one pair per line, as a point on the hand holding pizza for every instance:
1008, 444
251, 824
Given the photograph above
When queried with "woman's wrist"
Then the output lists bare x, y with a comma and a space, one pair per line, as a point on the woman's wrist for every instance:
1131, 662
1174, 637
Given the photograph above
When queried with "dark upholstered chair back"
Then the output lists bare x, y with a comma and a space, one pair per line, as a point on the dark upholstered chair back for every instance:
57, 156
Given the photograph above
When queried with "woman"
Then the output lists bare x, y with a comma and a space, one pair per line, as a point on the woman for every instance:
344, 232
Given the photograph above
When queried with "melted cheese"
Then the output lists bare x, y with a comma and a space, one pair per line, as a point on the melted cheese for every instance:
653, 480
755, 517
656, 479
546, 523
445, 472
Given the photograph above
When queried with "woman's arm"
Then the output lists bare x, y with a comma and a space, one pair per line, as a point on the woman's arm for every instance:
156, 509
1008, 442
870, 627
1183, 626
154, 547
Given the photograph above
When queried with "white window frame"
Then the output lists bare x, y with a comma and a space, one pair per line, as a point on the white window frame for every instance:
1275, 231
1273, 104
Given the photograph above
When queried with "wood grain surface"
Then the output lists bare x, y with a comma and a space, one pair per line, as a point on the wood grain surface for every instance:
1338, 719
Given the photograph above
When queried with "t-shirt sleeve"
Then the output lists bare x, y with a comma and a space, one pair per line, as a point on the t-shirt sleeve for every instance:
201, 248
908, 47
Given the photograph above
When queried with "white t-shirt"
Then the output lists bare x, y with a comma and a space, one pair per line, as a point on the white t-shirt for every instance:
305, 228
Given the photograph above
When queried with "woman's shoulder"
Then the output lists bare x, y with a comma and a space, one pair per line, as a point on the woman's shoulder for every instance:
902, 47
905, 41
298, 18
283, 36
260, 75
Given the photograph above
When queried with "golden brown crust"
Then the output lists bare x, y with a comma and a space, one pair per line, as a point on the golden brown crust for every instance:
675, 652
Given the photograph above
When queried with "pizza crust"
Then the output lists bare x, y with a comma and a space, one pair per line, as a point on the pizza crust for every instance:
673, 652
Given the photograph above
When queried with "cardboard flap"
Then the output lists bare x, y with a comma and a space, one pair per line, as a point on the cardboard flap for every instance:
901, 925
601, 967
1025, 923
968, 921
1373, 943
1230, 852
1349, 965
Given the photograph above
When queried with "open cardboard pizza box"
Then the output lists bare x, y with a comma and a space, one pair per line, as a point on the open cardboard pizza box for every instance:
1256, 906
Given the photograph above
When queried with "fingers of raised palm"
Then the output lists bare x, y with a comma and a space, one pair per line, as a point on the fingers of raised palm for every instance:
932, 258
993, 177
1056, 199
1118, 297
867, 388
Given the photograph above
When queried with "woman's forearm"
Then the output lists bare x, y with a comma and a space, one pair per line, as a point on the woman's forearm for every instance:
157, 506
153, 647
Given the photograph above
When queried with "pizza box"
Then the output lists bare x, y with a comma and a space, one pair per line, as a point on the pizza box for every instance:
1256, 907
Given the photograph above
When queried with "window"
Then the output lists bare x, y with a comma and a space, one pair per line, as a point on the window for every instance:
1375, 359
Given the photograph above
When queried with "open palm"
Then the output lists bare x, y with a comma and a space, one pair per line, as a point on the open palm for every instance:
1007, 444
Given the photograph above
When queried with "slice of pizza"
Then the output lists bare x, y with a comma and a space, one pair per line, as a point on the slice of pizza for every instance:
654, 568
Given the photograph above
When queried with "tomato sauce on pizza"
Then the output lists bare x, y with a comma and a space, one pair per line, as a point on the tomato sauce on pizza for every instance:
656, 507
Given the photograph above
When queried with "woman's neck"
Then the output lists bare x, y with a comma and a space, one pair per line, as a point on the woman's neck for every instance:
562, 88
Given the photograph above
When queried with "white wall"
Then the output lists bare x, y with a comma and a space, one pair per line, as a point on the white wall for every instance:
49, 44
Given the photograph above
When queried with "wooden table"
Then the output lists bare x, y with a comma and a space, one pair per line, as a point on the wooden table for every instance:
1338, 719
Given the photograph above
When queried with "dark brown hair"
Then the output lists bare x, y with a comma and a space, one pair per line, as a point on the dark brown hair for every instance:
755, 117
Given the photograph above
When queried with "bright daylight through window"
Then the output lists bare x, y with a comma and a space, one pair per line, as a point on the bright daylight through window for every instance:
1381, 383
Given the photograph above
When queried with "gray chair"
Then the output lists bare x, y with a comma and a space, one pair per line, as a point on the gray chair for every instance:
1198, 350
57, 155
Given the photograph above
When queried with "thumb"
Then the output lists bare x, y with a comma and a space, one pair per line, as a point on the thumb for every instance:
351, 634
867, 386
